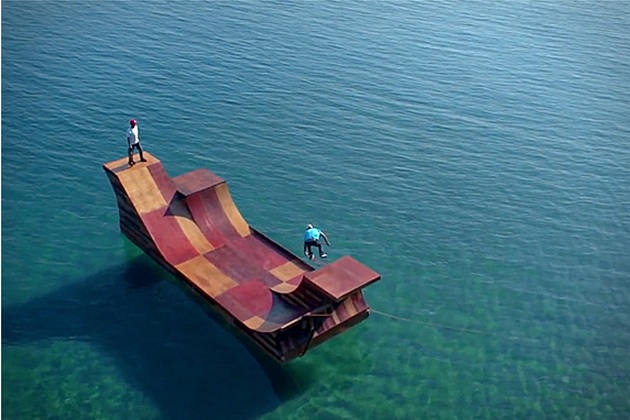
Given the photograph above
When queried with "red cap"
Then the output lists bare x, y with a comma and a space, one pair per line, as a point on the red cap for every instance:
132, 122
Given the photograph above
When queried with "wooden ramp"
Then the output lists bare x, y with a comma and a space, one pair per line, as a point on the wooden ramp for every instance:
191, 226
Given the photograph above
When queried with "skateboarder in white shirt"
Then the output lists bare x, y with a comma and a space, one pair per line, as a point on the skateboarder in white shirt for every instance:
133, 140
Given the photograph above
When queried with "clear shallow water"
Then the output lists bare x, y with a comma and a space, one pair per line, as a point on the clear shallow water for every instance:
477, 156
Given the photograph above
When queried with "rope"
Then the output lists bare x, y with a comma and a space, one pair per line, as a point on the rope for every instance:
479, 332
449, 327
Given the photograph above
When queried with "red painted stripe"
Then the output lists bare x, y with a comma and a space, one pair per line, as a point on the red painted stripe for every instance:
236, 265
206, 221
247, 299
169, 237
261, 251
213, 209
164, 183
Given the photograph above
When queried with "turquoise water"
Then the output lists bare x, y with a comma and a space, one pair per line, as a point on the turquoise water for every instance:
476, 154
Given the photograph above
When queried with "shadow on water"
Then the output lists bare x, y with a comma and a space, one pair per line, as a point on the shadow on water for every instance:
163, 343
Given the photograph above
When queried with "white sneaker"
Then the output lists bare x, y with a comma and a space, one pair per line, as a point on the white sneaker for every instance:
323, 256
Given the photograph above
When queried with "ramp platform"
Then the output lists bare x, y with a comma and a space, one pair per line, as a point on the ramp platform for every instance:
191, 226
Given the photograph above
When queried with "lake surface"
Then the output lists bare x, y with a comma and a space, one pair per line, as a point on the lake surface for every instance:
476, 154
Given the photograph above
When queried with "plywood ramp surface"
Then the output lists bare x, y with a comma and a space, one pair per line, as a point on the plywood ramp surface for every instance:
201, 236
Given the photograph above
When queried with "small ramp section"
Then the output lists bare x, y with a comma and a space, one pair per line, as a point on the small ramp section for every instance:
209, 201
342, 278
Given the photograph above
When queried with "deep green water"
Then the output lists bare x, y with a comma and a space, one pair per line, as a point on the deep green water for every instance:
476, 154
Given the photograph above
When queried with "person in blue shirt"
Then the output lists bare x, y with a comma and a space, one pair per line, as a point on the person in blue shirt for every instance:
311, 238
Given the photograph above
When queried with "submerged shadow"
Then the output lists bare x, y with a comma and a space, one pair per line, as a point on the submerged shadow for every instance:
165, 345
